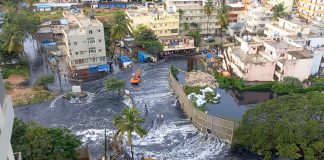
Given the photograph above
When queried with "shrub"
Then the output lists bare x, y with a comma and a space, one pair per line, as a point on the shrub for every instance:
20, 69
8, 85
260, 87
45, 79
174, 71
192, 89
289, 85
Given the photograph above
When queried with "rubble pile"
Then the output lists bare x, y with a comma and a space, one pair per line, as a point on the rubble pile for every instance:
199, 78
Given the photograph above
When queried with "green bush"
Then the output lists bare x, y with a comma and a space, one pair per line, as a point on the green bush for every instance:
192, 89
229, 82
45, 79
8, 86
209, 97
70, 95
289, 85
174, 71
20, 69
266, 86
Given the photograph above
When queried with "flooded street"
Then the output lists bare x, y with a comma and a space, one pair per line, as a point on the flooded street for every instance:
173, 138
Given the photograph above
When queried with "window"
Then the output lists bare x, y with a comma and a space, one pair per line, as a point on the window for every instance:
103, 58
91, 40
99, 50
90, 31
92, 59
76, 53
92, 50
81, 52
98, 30
69, 44
99, 40
75, 43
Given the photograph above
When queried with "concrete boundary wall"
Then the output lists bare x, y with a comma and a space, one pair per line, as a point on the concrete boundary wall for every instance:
219, 127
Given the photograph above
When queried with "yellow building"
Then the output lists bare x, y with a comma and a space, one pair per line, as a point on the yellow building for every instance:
163, 23
311, 9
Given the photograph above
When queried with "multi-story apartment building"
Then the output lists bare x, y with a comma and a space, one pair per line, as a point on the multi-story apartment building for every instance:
6, 123
193, 12
85, 45
256, 18
267, 60
286, 27
311, 9
298, 33
163, 23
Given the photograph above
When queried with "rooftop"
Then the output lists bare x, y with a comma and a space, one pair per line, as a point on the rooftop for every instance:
299, 54
249, 58
278, 45
297, 21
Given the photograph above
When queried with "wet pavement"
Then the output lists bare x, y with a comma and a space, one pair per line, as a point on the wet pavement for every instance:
174, 137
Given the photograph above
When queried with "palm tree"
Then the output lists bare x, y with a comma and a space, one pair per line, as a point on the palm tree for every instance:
119, 29
13, 39
222, 20
117, 33
278, 10
222, 17
128, 122
209, 8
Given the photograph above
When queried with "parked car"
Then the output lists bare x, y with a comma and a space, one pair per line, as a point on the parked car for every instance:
210, 39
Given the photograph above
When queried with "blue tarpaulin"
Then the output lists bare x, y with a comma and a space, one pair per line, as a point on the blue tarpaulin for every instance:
124, 59
103, 67
93, 68
209, 55
143, 56
47, 43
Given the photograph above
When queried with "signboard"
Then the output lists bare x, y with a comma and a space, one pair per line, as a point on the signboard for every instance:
76, 89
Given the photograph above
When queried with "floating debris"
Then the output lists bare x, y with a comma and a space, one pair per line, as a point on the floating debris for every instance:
199, 78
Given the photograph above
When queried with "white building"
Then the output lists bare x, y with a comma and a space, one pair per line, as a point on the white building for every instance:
193, 12
6, 123
256, 18
85, 44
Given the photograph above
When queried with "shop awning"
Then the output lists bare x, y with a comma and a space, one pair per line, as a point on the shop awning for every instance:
103, 67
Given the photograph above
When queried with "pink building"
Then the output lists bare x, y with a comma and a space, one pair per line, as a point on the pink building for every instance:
268, 60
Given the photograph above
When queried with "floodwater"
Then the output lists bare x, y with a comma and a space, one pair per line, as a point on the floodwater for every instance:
233, 104
173, 138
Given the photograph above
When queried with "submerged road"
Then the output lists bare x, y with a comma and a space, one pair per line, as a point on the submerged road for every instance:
173, 138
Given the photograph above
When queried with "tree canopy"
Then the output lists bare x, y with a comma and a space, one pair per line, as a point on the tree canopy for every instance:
290, 126
278, 11
222, 16
37, 142
128, 122
209, 8
146, 38
45, 79
113, 84
289, 85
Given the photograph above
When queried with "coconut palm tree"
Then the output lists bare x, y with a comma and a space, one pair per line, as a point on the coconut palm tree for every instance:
119, 29
209, 8
117, 33
128, 122
13, 39
222, 17
222, 20
278, 11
